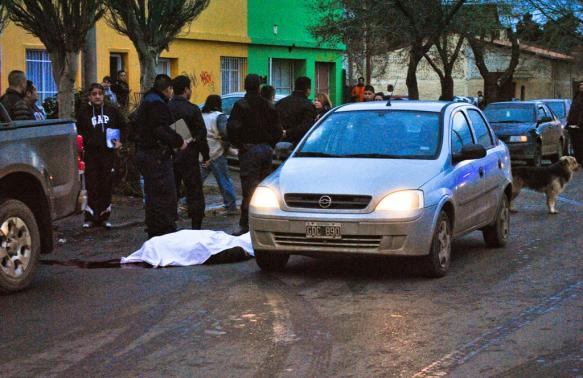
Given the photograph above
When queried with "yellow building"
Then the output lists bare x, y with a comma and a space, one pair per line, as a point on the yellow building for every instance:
212, 51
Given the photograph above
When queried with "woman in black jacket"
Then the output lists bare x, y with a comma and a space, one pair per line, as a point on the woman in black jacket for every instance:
100, 125
575, 123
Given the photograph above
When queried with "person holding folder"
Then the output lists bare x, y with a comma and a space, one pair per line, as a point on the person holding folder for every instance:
101, 126
190, 125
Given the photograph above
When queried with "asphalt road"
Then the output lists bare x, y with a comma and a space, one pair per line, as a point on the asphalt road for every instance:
510, 312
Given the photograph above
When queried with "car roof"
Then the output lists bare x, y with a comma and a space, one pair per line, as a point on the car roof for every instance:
532, 102
242, 94
552, 99
430, 106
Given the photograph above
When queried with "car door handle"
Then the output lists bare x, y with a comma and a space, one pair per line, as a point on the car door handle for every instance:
499, 163
481, 171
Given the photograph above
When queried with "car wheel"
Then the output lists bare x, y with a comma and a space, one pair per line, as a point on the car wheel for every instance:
437, 262
19, 245
496, 234
556, 157
270, 261
537, 159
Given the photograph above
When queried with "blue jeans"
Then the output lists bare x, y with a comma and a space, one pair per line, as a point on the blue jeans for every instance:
220, 170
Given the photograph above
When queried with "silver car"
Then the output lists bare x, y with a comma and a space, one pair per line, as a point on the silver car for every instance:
395, 179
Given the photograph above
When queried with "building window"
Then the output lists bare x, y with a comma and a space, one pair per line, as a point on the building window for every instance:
163, 66
282, 75
233, 71
39, 69
323, 78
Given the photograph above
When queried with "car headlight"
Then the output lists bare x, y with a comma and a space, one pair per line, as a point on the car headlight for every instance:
518, 139
264, 198
402, 201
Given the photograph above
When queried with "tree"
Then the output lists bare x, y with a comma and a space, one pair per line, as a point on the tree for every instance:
448, 55
554, 10
3, 16
151, 25
529, 30
357, 25
62, 26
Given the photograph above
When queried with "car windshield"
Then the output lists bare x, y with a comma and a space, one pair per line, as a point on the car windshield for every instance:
558, 108
508, 113
387, 134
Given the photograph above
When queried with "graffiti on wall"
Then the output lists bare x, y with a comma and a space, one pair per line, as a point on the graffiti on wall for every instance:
203, 78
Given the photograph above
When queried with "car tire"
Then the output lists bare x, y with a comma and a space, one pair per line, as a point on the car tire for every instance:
496, 234
560, 149
271, 261
537, 159
438, 260
19, 245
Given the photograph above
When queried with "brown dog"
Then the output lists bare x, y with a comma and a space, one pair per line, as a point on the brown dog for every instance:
549, 180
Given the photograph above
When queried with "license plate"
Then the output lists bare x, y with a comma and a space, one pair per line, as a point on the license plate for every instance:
323, 230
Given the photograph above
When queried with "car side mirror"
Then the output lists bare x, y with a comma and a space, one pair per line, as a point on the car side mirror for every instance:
544, 120
469, 152
283, 150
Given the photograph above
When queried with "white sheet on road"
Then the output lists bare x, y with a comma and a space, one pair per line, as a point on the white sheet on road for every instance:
187, 247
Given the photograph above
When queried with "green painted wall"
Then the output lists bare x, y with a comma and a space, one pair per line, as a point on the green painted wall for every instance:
292, 41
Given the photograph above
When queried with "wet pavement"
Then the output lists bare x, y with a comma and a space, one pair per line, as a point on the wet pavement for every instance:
510, 312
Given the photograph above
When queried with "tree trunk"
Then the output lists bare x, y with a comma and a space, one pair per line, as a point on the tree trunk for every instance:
89, 59
412, 88
490, 87
447, 86
65, 68
148, 60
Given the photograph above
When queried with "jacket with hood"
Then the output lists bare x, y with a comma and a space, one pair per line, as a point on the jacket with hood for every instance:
153, 120
296, 114
94, 120
16, 106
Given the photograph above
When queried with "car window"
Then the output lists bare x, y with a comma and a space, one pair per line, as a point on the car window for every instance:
541, 113
558, 108
509, 113
460, 133
393, 134
228, 104
481, 129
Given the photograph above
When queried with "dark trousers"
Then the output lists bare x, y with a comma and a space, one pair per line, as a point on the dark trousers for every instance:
98, 181
187, 171
576, 136
160, 192
255, 165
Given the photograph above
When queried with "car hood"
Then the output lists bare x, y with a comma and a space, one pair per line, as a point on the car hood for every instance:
353, 176
512, 128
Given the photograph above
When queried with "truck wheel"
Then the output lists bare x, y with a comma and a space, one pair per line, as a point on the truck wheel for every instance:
437, 262
270, 261
19, 245
496, 234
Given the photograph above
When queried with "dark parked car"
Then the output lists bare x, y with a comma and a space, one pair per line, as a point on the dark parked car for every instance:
561, 109
529, 128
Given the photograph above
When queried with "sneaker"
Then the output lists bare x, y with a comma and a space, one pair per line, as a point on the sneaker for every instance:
107, 225
88, 224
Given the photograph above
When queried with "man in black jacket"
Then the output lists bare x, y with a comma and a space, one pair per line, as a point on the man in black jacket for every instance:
154, 154
13, 100
186, 165
254, 129
296, 113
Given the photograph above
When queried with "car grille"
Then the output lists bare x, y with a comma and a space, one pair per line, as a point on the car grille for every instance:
338, 201
357, 242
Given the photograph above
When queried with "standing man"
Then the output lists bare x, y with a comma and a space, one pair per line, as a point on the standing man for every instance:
96, 122
154, 155
296, 113
13, 100
369, 93
122, 89
108, 92
480, 100
254, 128
357, 94
186, 166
